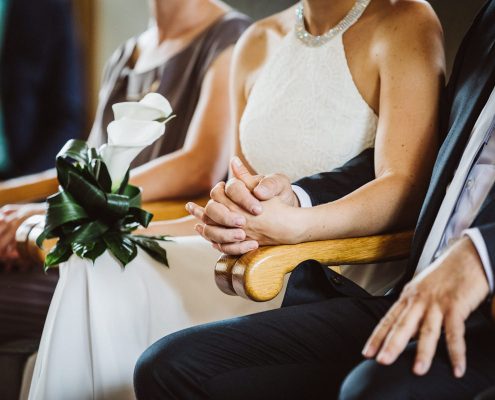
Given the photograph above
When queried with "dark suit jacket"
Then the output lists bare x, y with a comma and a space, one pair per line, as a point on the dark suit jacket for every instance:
471, 83
41, 88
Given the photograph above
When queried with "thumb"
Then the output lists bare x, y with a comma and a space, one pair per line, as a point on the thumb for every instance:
272, 186
242, 173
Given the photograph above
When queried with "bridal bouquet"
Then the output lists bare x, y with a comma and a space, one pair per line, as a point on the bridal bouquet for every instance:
96, 209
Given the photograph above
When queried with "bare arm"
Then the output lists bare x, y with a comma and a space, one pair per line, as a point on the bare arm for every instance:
410, 61
203, 160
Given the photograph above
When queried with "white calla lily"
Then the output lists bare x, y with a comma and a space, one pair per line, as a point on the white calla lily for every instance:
126, 139
152, 107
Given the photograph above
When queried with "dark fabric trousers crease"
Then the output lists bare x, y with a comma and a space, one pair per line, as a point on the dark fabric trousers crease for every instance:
305, 351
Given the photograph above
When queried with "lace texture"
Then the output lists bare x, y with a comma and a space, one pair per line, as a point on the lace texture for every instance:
305, 114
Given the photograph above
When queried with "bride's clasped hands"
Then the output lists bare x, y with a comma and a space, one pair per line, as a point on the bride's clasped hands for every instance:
249, 211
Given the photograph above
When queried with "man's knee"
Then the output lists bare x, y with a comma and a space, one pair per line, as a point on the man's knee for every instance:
166, 370
372, 381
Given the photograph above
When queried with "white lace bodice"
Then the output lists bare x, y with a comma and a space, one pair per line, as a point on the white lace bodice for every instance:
305, 114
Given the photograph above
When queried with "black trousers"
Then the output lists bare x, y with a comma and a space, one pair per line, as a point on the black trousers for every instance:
306, 351
487, 395
24, 301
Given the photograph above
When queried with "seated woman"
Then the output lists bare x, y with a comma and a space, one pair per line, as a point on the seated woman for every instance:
312, 93
304, 104
185, 56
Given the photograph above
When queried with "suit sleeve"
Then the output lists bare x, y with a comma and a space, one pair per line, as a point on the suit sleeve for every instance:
487, 232
484, 238
330, 186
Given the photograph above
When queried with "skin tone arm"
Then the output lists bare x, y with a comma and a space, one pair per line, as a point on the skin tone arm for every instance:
410, 63
200, 164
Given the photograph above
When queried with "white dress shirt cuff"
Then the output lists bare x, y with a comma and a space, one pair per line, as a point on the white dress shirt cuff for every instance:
304, 199
478, 241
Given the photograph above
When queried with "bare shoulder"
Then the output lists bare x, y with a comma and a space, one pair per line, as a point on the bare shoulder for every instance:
259, 40
409, 30
407, 19
256, 45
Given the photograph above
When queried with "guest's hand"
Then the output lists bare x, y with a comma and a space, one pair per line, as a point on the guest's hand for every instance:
442, 296
11, 217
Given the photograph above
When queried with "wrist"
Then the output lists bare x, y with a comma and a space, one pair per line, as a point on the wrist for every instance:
472, 261
302, 227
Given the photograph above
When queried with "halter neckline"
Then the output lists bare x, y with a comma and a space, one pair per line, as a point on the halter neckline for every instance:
315, 41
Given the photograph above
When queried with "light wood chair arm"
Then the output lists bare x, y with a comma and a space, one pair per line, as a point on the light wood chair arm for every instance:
171, 209
22, 192
259, 274
30, 229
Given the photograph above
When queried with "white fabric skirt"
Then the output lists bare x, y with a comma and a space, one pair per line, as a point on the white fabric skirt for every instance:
102, 317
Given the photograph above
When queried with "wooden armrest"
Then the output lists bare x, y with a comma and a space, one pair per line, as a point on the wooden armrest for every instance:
19, 192
259, 274
30, 229
171, 209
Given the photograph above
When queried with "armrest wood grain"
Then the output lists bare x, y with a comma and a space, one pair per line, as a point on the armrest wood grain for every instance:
30, 229
19, 192
259, 274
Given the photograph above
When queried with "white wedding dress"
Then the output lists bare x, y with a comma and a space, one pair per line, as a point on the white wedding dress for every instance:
304, 116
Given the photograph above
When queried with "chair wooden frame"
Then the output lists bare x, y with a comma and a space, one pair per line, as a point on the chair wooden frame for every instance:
259, 274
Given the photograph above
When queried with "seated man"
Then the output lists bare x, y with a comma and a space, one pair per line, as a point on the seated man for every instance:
314, 348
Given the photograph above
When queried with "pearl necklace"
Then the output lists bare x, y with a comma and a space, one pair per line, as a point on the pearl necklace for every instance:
315, 41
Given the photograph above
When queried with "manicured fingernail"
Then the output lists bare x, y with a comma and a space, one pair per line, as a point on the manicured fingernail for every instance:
188, 207
383, 358
257, 210
459, 371
419, 368
367, 351
252, 247
261, 190
237, 161
240, 221
198, 228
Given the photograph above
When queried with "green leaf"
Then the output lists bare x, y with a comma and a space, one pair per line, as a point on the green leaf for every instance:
87, 233
151, 247
121, 246
117, 205
76, 150
62, 209
99, 172
59, 254
140, 216
124, 184
90, 197
89, 250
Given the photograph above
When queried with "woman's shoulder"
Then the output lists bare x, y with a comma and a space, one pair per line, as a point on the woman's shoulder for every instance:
229, 27
402, 18
407, 30
257, 44
261, 37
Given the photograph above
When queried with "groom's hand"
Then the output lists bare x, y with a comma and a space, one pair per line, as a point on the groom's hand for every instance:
441, 297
